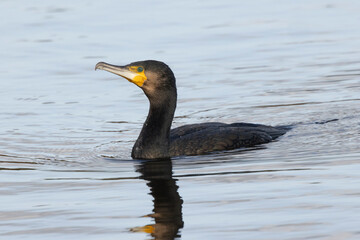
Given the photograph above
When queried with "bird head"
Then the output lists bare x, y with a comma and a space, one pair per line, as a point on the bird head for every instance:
153, 77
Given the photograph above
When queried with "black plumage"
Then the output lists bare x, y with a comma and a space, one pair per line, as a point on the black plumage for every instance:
157, 141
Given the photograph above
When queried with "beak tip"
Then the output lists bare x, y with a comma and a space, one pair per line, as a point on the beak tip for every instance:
99, 65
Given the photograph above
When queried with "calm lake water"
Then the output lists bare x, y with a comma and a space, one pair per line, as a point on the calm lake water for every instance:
66, 131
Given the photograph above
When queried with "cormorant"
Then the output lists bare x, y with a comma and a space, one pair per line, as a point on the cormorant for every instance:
157, 141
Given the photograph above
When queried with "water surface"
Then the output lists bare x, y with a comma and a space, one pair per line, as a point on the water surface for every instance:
66, 131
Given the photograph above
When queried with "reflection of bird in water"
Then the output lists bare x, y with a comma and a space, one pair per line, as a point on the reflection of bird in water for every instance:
157, 141
167, 201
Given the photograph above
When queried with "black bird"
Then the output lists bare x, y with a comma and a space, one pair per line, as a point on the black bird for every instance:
157, 141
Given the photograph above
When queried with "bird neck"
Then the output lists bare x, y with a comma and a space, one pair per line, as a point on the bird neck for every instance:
154, 139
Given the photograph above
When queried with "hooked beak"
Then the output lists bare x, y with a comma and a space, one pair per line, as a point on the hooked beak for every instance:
126, 72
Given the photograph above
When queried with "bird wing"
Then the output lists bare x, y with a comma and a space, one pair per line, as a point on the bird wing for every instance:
198, 139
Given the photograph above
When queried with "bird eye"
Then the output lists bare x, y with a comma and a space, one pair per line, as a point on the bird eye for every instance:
140, 69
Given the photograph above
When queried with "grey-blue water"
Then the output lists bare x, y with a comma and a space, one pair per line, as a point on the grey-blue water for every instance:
66, 131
